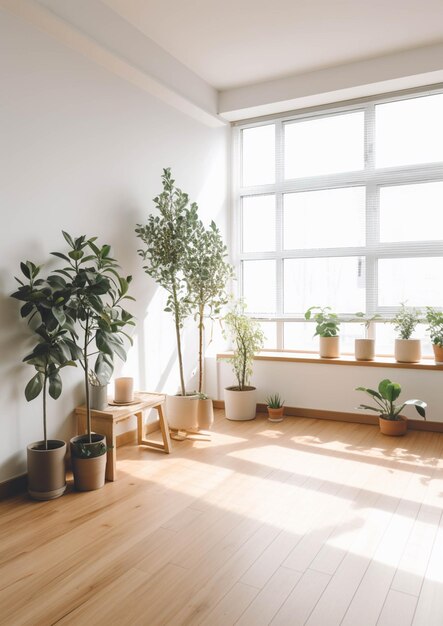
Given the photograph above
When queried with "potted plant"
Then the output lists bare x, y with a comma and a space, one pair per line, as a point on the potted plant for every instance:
327, 327
46, 458
275, 407
365, 348
169, 238
435, 328
207, 274
95, 319
407, 350
390, 420
247, 338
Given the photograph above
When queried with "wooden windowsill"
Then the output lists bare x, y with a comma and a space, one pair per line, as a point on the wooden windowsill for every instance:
308, 357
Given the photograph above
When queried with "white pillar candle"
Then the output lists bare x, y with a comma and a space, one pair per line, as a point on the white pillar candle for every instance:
124, 389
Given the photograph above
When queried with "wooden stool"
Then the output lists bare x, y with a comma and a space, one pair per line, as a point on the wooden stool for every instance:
104, 422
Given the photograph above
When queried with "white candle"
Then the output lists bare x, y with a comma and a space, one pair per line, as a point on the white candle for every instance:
124, 389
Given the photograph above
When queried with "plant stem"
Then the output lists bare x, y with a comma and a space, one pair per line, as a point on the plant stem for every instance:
88, 404
45, 435
201, 329
177, 334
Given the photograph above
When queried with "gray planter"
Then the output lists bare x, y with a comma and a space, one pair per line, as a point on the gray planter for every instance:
46, 469
98, 397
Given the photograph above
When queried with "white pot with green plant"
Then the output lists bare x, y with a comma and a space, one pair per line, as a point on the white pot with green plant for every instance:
93, 314
391, 422
365, 348
169, 237
407, 350
275, 407
327, 329
46, 458
247, 339
98, 389
434, 319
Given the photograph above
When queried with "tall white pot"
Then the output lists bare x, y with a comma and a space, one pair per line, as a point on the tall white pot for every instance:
407, 350
240, 405
182, 412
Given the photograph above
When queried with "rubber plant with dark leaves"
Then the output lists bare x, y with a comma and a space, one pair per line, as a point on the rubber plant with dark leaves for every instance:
94, 315
43, 306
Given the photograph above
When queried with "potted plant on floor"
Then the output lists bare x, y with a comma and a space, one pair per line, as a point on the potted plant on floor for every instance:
435, 329
365, 348
43, 307
207, 275
247, 338
96, 291
327, 328
169, 237
390, 420
275, 407
407, 350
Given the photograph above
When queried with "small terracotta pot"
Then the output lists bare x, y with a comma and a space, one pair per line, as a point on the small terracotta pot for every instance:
364, 349
438, 353
275, 415
393, 428
205, 414
89, 473
407, 350
330, 347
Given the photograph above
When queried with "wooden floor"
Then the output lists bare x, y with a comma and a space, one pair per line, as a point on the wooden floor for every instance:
304, 522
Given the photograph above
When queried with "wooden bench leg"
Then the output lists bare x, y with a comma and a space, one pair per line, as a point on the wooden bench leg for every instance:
164, 428
166, 445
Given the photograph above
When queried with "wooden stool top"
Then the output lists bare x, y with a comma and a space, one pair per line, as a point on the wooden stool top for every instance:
145, 400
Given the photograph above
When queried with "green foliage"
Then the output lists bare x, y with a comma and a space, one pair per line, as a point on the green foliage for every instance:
366, 320
169, 237
405, 321
247, 338
90, 450
90, 293
43, 306
274, 401
385, 398
207, 274
328, 323
435, 325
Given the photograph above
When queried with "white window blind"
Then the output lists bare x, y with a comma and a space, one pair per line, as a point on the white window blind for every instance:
341, 208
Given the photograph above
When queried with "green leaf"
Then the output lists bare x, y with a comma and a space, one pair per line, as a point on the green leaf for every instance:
76, 255
55, 385
68, 238
34, 387
59, 315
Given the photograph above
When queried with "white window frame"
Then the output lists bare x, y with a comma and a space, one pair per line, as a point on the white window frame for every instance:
370, 178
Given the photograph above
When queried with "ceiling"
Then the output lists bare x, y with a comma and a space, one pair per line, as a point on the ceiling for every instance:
231, 43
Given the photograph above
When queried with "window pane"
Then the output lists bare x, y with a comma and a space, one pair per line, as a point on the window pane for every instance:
325, 145
270, 330
299, 336
336, 282
409, 131
411, 212
414, 281
315, 219
259, 289
258, 225
258, 155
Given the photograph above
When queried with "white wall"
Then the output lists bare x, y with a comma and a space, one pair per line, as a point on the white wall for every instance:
83, 150
330, 387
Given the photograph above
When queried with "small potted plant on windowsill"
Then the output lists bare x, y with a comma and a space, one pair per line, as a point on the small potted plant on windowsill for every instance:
407, 350
247, 338
365, 348
327, 327
435, 329
390, 420
275, 407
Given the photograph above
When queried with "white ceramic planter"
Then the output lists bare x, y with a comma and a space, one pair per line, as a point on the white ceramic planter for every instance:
364, 349
98, 397
182, 412
240, 405
407, 350
205, 414
329, 347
